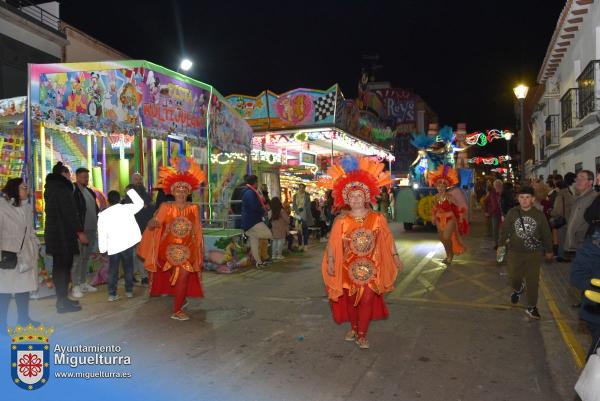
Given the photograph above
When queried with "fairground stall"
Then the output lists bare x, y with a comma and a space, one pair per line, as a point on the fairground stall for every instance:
117, 118
12, 143
299, 133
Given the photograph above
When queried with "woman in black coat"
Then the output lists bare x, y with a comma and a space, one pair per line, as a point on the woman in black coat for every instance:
62, 231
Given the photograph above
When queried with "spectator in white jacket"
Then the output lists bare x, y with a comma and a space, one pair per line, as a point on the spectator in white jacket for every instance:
118, 234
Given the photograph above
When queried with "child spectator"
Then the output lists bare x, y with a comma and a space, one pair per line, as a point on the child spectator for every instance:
118, 234
527, 233
280, 223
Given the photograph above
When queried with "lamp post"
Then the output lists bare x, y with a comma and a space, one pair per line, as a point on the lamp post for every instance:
507, 137
521, 93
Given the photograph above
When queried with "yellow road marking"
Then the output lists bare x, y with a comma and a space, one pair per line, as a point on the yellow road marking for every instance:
414, 273
452, 303
577, 351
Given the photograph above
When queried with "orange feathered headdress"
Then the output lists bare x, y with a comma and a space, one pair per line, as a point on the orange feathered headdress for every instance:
354, 174
443, 172
184, 175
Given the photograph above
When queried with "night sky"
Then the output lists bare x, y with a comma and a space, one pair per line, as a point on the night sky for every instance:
461, 57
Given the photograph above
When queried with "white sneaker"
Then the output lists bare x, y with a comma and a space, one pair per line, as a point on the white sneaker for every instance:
85, 287
129, 294
112, 298
324, 239
76, 292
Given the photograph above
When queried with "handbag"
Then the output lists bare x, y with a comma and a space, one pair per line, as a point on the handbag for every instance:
558, 221
8, 259
588, 384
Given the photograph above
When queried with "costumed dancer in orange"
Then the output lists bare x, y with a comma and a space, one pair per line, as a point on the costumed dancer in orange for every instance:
172, 245
361, 262
449, 212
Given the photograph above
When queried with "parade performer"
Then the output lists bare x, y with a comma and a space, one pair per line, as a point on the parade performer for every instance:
172, 245
360, 262
449, 212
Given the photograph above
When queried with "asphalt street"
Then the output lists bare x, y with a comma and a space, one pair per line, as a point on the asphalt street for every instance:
267, 334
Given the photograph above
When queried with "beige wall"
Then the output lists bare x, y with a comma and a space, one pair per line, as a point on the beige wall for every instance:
82, 47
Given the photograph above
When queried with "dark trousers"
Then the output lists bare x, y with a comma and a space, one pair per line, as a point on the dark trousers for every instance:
22, 301
595, 331
113, 270
61, 272
303, 233
525, 266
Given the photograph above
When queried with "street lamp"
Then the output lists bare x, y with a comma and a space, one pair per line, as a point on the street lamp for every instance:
185, 64
521, 93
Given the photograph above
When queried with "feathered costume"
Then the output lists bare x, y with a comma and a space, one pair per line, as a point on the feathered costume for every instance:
451, 205
173, 252
362, 249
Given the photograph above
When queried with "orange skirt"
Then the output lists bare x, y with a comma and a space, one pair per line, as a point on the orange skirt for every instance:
442, 221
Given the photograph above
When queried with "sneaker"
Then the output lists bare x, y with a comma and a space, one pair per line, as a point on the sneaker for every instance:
533, 313
112, 298
67, 307
324, 239
129, 294
350, 336
181, 315
76, 292
514, 297
362, 343
261, 265
87, 288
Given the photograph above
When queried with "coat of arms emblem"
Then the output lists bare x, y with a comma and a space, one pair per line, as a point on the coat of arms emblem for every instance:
30, 355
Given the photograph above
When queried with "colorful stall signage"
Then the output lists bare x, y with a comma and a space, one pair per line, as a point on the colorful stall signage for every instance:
13, 106
296, 108
123, 97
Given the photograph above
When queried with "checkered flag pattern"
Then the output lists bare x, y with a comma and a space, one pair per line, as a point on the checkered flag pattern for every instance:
324, 106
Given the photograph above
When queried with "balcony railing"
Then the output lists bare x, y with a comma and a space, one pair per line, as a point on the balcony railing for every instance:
569, 111
34, 11
552, 130
587, 89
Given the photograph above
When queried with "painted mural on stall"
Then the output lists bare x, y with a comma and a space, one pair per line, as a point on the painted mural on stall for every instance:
119, 97
228, 132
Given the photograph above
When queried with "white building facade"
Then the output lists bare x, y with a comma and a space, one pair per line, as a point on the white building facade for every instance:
565, 124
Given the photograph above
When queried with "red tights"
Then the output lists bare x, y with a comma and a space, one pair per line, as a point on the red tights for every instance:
181, 287
360, 316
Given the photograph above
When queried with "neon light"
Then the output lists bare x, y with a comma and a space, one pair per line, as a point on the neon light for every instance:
483, 138
490, 160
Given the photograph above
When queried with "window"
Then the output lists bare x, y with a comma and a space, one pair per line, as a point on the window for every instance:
587, 89
597, 163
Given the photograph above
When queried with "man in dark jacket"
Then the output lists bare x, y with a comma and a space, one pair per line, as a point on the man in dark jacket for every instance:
253, 213
585, 267
142, 218
62, 231
236, 202
87, 209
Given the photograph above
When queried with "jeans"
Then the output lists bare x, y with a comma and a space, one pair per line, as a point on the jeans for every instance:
277, 245
80, 266
138, 265
113, 270
595, 331
303, 233
495, 221
22, 301
61, 269
562, 237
